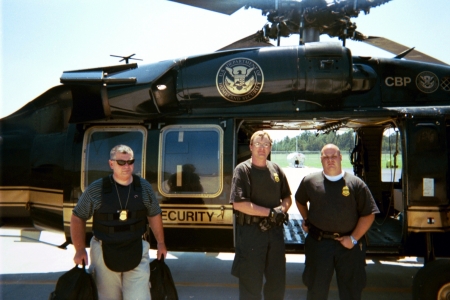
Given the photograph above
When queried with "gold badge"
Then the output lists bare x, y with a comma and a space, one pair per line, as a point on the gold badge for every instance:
345, 191
123, 215
275, 176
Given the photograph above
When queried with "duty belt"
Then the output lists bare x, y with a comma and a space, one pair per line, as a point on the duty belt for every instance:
113, 229
319, 234
242, 218
140, 214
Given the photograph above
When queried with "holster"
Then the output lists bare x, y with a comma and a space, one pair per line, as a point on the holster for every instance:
240, 219
248, 219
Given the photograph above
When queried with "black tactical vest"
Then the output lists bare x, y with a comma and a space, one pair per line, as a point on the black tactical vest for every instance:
121, 238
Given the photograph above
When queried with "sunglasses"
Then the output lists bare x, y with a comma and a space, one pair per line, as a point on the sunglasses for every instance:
121, 162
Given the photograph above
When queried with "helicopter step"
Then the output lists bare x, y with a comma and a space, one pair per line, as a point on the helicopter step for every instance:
293, 232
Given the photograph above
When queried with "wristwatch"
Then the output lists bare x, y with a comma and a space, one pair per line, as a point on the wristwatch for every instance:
353, 240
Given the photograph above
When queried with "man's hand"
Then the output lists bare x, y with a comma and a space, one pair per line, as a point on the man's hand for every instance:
305, 226
81, 255
161, 251
277, 216
346, 241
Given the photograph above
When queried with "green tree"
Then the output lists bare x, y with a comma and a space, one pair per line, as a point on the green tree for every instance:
311, 141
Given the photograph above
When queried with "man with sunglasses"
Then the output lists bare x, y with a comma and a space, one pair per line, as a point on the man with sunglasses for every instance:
261, 197
341, 210
121, 204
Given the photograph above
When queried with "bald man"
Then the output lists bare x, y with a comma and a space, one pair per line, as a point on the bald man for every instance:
341, 210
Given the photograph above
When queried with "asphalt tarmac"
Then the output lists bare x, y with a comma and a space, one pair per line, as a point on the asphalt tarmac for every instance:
30, 265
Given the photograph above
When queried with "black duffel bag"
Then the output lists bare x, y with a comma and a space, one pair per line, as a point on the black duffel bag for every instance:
76, 284
162, 285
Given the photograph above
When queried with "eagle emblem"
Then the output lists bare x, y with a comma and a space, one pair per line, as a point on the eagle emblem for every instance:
239, 80
427, 82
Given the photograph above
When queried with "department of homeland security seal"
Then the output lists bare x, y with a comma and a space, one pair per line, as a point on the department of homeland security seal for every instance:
427, 82
240, 80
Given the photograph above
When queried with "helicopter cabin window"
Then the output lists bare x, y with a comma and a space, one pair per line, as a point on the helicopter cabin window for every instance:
190, 161
98, 142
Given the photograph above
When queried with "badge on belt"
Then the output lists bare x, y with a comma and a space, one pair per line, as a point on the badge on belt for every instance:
345, 191
275, 176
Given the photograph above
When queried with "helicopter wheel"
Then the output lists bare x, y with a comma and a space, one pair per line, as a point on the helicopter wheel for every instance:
433, 281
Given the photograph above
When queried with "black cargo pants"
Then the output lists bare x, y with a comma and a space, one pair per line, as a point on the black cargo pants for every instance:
327, 255
260, 255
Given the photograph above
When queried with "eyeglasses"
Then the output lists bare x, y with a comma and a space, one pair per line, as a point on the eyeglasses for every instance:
259, 145
121, 162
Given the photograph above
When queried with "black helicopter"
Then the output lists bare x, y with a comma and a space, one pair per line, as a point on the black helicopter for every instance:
195, 115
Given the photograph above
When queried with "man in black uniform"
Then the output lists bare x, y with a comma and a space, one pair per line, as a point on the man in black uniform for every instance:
261, 197
121, 205
341, 210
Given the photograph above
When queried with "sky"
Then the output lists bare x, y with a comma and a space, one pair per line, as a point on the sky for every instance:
41, 39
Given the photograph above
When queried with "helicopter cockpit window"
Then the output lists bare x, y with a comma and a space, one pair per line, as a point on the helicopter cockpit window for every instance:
190, 161
98, 142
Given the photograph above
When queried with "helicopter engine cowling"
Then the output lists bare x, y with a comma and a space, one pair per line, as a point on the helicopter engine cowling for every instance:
266, 78
321, 72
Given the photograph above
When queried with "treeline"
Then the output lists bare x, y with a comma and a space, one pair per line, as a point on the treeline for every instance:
308, 141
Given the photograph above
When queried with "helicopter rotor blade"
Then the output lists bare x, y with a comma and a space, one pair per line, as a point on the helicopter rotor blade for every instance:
323, 16
126, 58
254, 40
399, 49
227, 7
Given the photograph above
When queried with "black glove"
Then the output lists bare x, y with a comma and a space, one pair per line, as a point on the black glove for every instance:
277, 217
265, 224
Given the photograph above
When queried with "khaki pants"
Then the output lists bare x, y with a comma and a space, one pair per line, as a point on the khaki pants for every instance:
112, 285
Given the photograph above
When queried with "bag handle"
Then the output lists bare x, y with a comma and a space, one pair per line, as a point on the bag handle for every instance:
84, 266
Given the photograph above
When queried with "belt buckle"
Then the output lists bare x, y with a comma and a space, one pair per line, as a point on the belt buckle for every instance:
336, 235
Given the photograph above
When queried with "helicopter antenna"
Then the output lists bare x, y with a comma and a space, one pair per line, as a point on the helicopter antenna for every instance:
126, 58
404, 53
